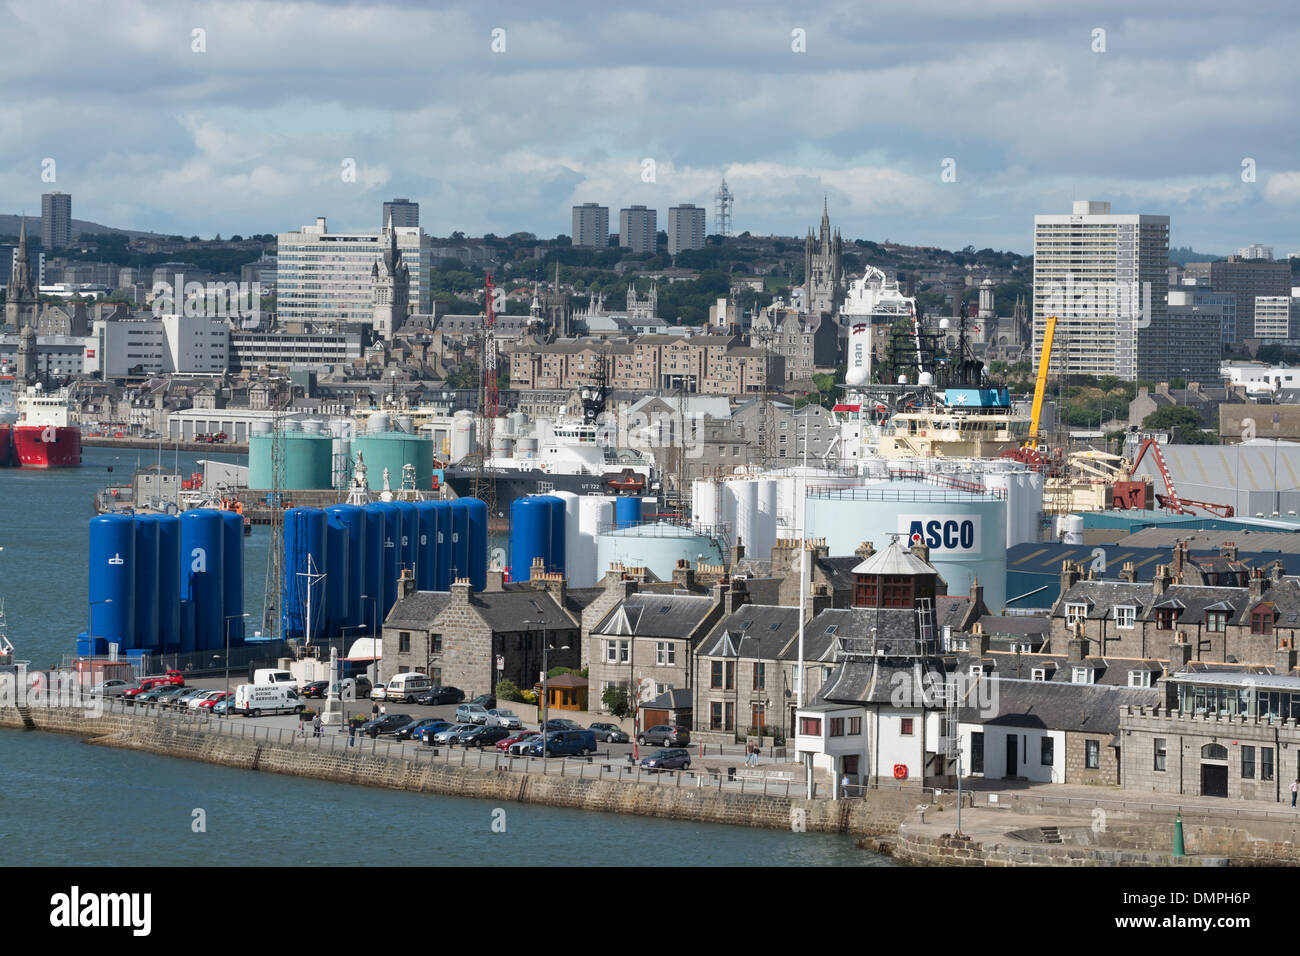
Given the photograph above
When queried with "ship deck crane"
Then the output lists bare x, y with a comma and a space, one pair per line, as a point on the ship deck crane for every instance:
1031, 452
1172, 501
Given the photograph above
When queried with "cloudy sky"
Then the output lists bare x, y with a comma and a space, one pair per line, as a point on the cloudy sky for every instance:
1030, 103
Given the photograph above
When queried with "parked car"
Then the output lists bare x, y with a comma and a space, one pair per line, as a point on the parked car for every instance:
378, 692
471, 714
415, 728
182, 700
610, 733
521, 747
562, 723
151, 696
671, 758
211, 704
224, 706
482, 736
444, 736
506, 743
316, 688
363, 686
441, 695
500, 717
564, 743
426, 733
168, 696
665, 735
111, 688
384, 724
486, 701
197, 701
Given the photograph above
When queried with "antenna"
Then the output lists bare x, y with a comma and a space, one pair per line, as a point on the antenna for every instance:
273, 599
723, 200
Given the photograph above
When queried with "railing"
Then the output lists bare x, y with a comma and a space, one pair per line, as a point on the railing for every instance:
878, 493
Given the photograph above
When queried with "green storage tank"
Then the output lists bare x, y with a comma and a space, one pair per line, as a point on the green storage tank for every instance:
392, 450
308, 461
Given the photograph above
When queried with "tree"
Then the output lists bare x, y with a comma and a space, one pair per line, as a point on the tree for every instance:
1185, 420
616, 701
509, 690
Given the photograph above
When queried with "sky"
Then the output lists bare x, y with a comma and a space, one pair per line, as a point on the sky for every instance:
944, 123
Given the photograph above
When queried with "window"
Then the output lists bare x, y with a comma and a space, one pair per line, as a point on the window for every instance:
1038, 673
837, 727
665, 653
1216, 620
1081, 675
1139, 678
1161, 752
1125, 616
1075, 612
1261, 620
435, 643
1265, 763
1247, 762
1048, 752
715, 675
855, 726
810, 726
731, 675
1165, 618
905, 726
404, 642
1092, 754
616, 652
760, 676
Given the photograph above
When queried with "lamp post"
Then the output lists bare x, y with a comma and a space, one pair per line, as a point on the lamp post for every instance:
90, 630
229, 618
374, 627
546, 703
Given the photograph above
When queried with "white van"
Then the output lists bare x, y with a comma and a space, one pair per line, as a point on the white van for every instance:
270, 676
408, 686
254, 700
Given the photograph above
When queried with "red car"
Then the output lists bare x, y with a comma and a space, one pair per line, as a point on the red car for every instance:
169, 679
213, 701
504, 745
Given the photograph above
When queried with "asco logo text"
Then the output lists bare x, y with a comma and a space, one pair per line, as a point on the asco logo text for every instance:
949, 533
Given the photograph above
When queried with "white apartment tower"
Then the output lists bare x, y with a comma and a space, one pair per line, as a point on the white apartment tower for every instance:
685, 228
329, 277
591, 225
1105, 278
638, 229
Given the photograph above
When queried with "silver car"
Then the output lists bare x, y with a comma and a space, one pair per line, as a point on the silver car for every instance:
517, 749
442, 736
500, 717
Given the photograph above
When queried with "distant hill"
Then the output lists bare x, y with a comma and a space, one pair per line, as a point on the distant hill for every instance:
9, 227
1184, 254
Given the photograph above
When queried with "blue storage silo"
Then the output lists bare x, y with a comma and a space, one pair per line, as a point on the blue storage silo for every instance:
443, 551
304, 552
627, 512
169, 583
392, 560
556, 560
335, 584
530, 535
232, 589
353, 518
408, 554
477, 511
202, 541
146, 583
372, 574
460, 566
112, 580
426, 549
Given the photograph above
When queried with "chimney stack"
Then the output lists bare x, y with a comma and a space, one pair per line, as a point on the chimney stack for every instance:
1128, 572
1286, 659
684, 574
1162, 580
1078, 650
736, 596
1070, 573
865, 550
1180, 654
406, 584
1229, 550
460, 591
1258, 584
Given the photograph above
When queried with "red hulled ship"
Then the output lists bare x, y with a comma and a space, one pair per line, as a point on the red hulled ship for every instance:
42, 436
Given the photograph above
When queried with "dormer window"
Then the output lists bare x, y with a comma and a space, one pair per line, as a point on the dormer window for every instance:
1165, 618
1216, 620
1075, 613
1082, 675
1261, 620
1125, 615
1139, 678
1038, 673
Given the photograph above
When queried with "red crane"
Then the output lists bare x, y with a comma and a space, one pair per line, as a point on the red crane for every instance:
1171, 501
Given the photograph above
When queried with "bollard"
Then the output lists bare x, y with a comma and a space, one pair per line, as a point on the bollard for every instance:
1179, 848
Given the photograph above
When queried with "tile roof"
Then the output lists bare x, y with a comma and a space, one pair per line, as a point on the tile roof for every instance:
1052, 705
656, 615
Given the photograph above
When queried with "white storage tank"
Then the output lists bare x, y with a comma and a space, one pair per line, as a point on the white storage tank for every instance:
526, 447
745, 526
765, 526
503, 446
704, 503
595, 514
377, 422
462, 434
656, 546
405, 424
965, 531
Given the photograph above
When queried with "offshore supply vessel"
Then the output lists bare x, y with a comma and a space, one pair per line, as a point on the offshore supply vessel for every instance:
40, 432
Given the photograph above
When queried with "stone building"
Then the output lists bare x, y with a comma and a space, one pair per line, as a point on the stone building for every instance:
823, 275
1223, 610
457, 636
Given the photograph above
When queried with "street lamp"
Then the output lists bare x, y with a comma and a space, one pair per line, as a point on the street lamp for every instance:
229, 618
374, 628
546, 703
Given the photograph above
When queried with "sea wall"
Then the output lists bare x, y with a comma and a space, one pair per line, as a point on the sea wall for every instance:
914, 848
879, 814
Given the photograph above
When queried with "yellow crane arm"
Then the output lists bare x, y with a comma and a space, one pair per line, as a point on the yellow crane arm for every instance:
1040, 385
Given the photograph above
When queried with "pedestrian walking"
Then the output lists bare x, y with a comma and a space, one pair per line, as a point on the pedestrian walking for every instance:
352, 734
374, 710
315, 725
383, 710
844, 784
301, 732
1295, 788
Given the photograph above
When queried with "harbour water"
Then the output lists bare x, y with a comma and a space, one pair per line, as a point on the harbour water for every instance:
63, 802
